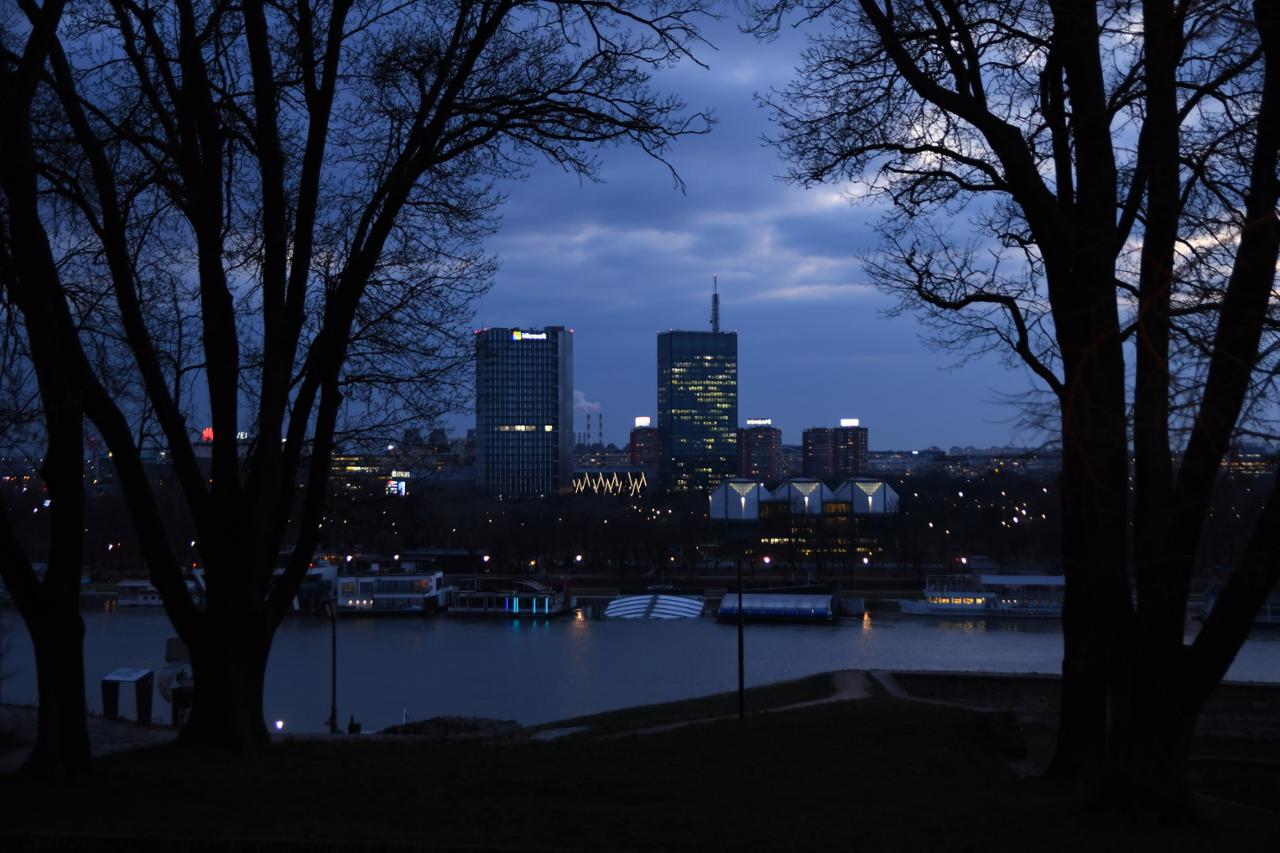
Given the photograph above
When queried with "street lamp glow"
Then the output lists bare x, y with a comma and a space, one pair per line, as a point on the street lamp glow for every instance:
279, 725
767, 561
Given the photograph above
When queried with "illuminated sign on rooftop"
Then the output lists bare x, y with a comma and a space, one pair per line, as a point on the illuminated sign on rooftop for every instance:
849, 422
644, 421
519, 335
759, 421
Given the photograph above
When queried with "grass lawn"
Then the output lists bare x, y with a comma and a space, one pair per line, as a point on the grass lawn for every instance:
762, 698
876, 774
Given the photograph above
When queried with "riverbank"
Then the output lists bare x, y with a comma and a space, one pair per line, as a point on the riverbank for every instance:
876, 773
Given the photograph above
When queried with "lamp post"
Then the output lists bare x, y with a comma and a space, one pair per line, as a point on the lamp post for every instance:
742, 691
330, 608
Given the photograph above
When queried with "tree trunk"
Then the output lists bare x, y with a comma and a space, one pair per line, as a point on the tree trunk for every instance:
228, 666
1152, 773
1097, 611
1082, 716
62, 739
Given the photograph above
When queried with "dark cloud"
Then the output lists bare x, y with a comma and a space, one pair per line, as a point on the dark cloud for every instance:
619, 260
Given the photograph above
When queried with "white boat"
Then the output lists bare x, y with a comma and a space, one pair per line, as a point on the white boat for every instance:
140, 593
368, 587
137, 594
988, 595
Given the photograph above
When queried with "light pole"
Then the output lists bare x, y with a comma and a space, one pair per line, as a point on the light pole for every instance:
742, 690
330, 606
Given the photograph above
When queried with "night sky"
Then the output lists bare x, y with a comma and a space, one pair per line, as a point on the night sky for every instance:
620, 260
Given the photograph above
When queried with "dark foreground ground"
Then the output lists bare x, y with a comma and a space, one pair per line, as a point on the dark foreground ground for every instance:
871, 774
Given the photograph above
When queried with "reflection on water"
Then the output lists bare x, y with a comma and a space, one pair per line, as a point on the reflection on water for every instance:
966, 626
539, 670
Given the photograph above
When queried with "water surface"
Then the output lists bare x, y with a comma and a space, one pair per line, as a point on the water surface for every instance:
536, 671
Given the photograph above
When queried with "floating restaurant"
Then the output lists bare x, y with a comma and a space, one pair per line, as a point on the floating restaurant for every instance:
779, 607
506, 597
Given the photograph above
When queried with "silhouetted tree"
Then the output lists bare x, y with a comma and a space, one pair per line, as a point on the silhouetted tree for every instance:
40, 409
301, 189
1117, 161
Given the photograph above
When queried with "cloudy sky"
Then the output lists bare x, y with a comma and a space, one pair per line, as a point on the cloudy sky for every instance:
619, 261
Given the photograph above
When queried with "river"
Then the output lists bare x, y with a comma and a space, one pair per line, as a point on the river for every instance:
536, 671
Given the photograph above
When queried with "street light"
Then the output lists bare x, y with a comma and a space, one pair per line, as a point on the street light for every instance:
330, 609
742, 683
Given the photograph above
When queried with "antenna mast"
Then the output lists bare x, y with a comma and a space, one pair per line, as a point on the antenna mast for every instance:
715, 303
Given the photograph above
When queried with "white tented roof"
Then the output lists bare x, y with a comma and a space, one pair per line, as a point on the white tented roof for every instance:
803, 494
654, 607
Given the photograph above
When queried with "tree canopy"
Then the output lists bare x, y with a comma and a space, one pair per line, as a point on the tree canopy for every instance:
1088, 188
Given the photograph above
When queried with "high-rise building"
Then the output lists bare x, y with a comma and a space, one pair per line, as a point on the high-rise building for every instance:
849, 445
524, 411
819, 460
697, 406
644, 447
760, 451
834, 454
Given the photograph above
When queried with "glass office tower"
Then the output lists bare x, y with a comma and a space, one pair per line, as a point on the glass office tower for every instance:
524, 411
697, 409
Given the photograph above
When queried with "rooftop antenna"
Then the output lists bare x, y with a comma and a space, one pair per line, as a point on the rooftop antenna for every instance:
715, 303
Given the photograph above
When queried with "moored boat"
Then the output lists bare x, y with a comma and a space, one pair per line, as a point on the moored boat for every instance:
988, 595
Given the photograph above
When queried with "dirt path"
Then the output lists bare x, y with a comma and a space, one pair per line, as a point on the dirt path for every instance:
849, 684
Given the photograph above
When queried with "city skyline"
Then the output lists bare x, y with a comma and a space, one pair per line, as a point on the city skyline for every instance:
622, 260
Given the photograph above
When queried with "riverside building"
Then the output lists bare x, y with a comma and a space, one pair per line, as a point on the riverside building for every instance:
697, 406
524, 411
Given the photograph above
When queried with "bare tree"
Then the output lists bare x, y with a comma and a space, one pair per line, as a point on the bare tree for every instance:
48, 604
1116, 163
313, 178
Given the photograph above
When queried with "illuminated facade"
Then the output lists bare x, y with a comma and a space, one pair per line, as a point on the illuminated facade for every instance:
760, 450
804, 519
524, 411
644, 448
833, 454
697, 409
